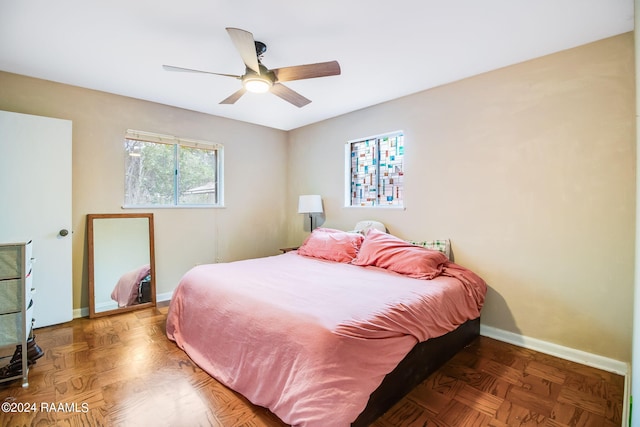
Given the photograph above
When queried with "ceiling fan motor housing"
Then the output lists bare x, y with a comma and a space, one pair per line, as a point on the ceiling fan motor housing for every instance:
261, 48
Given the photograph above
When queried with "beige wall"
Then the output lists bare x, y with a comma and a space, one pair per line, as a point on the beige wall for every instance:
252, 224
529, 170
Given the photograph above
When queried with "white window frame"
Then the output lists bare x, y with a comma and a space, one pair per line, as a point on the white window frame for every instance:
182, 142
348, 200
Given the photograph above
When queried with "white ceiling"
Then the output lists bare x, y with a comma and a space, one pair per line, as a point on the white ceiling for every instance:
386, 49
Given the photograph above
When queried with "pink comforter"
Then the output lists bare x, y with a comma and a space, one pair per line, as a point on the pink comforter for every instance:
125, 293
311, 339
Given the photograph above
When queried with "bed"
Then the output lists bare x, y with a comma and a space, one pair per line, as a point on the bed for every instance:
331, 334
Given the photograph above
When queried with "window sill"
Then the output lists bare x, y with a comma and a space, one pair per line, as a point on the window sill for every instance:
399, 208
173, 207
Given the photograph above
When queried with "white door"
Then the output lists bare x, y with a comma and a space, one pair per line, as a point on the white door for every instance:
35, 204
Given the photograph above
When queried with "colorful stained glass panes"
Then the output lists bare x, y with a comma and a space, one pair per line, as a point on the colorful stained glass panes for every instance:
377, 174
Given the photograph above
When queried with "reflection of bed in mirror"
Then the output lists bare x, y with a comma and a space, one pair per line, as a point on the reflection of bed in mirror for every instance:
133, 287
121, 262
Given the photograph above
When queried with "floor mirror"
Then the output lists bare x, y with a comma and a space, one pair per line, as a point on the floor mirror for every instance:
121, 263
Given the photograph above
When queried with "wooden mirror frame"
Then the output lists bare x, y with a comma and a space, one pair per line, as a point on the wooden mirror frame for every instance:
91, 252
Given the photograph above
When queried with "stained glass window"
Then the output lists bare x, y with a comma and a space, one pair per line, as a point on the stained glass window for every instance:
376, 170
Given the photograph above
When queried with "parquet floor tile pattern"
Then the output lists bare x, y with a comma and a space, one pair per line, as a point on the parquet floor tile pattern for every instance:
121, 370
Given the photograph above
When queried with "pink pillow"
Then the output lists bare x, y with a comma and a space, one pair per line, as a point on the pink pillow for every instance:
386, 251
330, 244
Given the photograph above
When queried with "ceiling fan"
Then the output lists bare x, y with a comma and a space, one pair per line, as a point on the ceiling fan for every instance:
258, 78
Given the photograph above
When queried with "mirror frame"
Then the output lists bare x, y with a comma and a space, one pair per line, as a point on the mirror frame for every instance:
91, 266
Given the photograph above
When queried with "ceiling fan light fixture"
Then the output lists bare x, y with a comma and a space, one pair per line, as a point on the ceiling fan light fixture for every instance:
257, 84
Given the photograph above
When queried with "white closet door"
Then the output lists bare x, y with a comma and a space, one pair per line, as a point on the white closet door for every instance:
35, 204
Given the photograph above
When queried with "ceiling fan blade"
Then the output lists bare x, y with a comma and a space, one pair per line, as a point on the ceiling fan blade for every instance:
231, 99
289, 95
246, 47
190, 70
309, 71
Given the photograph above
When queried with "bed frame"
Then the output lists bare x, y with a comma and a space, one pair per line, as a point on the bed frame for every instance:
424, 359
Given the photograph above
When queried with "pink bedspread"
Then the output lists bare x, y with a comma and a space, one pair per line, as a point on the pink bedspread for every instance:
125, 293
311, 339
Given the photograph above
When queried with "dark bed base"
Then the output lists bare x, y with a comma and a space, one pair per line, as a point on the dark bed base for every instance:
422, 361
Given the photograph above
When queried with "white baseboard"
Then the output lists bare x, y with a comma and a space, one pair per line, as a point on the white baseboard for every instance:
567, 353
164, 297
80, 312
573, 355
84, 311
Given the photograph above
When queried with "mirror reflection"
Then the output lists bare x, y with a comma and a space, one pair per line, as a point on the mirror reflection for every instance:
121, 263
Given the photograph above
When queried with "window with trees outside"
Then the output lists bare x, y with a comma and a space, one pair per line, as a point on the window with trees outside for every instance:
166, 171
375, 171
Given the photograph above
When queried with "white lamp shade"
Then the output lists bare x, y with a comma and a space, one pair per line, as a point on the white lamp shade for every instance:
310, 203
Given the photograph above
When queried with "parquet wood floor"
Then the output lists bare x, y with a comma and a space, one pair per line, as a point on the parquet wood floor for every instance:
121, 370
